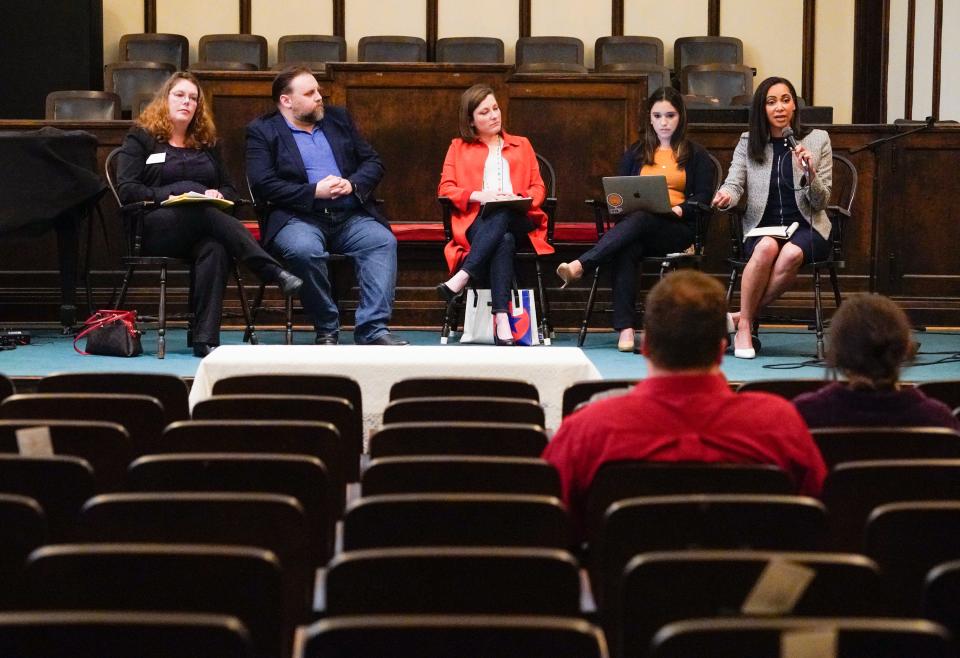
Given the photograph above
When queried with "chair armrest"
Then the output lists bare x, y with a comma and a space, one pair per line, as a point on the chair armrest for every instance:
138, 205
600, 215
549, 206
446, 208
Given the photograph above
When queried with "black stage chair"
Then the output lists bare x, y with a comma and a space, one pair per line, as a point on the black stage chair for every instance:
482, 439
458, 474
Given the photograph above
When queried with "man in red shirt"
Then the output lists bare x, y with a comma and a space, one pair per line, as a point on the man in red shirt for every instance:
684, 411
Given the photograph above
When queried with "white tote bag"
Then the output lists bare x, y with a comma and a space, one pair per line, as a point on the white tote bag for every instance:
478, 319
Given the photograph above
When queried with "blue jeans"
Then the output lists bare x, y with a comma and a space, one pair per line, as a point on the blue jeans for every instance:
306, 244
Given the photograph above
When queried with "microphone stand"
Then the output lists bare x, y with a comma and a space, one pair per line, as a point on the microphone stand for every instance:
928, 123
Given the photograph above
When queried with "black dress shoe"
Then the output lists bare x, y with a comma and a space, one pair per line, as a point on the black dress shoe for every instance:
446, 294
289, 284
504, 342
388, 339
324, 338
203, 349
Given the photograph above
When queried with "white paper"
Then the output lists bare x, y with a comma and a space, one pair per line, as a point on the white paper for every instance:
778, 588
34, 442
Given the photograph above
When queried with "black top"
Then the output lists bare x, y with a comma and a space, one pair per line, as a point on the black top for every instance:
187, 164
699, 170
781, 209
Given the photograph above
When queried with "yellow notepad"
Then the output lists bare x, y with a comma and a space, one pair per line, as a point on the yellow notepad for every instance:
196, 197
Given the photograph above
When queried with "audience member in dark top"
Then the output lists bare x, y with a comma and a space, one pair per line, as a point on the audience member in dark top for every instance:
869, 340
684, 410
663, 150
172, 150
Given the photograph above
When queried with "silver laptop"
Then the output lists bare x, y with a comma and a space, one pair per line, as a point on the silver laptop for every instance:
626, 194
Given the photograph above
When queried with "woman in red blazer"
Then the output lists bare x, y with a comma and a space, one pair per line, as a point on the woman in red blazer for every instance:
487, 164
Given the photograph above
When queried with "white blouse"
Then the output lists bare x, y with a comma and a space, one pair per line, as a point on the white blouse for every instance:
496, 171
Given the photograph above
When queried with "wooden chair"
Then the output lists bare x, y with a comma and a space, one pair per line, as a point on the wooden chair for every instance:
243, 48
409, 520
425, 387
60, 485
23, 527
549, 54
458, 438
706, 50
463, 581
441, 473
82, 105
853, 444
170, 390
463, 408
334, 410
628, 50
470, 49
302, 477
765, 638
101, 634
238, 581
660, 588
142, 416
312, 49
449, 636
717, 80
128, 79
386, 48
156, 47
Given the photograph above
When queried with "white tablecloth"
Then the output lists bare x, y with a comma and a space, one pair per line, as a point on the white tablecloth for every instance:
376, 368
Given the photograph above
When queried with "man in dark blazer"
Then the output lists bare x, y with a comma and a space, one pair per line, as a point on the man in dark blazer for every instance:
317, 173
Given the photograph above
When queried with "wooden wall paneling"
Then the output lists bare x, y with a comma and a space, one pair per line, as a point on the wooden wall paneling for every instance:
525, 13
908, 68
871, 33
339, 18
246, 16
937, 53
616, 18
432, 20
809, 49
149, 16
713, 18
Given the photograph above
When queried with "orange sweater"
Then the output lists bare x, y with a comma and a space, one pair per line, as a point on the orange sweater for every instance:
463, 174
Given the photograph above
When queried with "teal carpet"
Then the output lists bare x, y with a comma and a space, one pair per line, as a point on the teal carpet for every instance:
784, 355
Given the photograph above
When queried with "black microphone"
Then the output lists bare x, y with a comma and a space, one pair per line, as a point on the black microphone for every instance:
792, 141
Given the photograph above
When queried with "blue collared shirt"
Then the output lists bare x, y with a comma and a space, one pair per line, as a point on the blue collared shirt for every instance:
319, 162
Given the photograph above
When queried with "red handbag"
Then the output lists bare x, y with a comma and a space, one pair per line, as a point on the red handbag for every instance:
110, 332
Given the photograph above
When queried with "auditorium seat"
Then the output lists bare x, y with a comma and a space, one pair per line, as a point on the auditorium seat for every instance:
580, 392
170, 390
241, 582
127, 79
314, 50
334, 410
852, 491
706, 50
458, 438
720, 81
627, 50
425, 387
141, 415
509, 410
59, 484
941, 596
549, 54
23, 527
77, 105
459, 474
458, 50
619, 480
462, 581
244, 48
408, 520
115, 634
852, 444
656, 589
859, 637
785, 388
156, 47
286, 437
302, 477
105, 446
222, 65
7, 387
658, 75
945, 390
908, 540
387, 48
450, 636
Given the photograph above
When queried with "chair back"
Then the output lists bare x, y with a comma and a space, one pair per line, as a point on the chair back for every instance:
302, 477
312, 48
720, 81
407, 520
473, 636
840, 206
580, 392
425, 387
470, 50
458, 438
439, 474
155, 47
851, 444
946, 390
660, 588
387, 48
464, 581
23, 527
706, 50
463, 408
7, 387
941, 595
105, 446
59, 484
143, 634
549, 50
785, 388
222, 65
82, 106
170, 390
244, 48
627, 50
658, 75
127, 79
238, 581
131, 215
769, 638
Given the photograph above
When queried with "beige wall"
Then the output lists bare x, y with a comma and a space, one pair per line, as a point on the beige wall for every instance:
950, 63
772, 35
833, 62
193, 19
294, 17
406, 18
119, 17
567, 18
646, 18
499, 18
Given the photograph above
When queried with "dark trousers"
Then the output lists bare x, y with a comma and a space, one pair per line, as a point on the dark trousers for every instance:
493, 244
636, 236
211, 239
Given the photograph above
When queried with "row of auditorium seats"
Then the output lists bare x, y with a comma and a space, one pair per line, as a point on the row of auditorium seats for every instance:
482, 540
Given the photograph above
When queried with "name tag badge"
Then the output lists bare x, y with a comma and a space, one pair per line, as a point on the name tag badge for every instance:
157, 158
